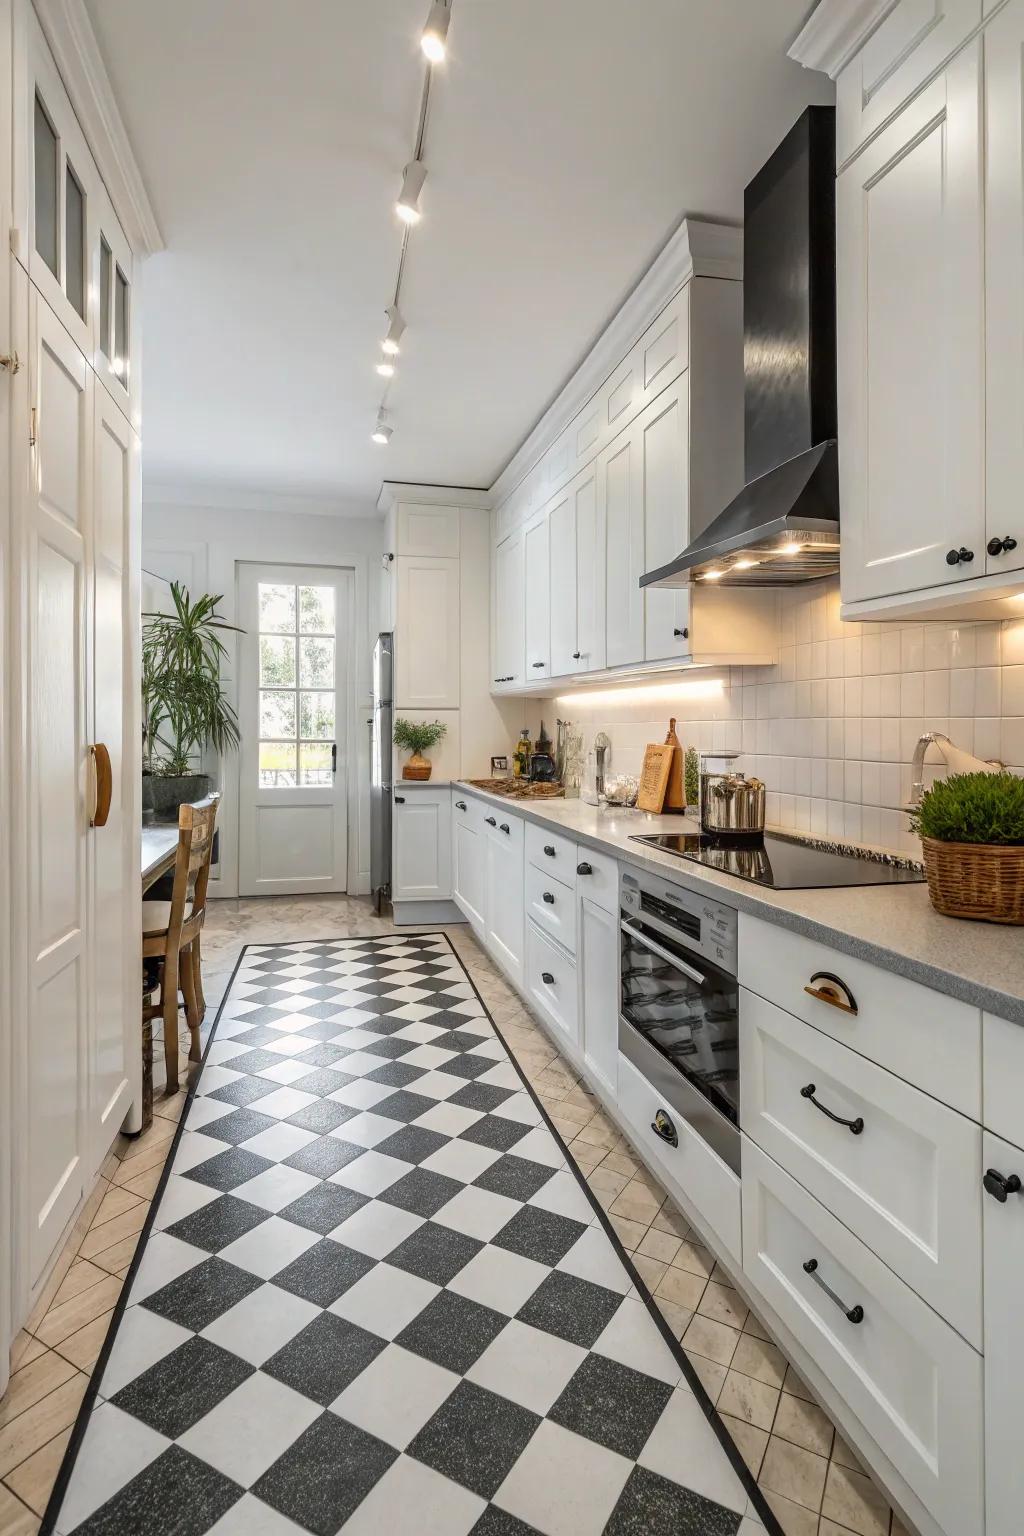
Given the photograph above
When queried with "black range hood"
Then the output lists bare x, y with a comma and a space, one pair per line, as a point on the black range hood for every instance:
783, 527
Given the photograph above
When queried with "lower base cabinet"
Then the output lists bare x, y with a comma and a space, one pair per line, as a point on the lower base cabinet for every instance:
1004, 1337
597, 960
422, 845
550, 982
504, 933
469, 862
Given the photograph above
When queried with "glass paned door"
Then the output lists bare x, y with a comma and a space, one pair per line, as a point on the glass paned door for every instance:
292, 711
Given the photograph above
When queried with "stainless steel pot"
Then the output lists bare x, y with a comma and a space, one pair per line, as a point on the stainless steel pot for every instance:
729, 801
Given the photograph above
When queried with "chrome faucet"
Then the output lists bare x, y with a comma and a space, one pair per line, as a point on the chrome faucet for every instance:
956, 759
602, 743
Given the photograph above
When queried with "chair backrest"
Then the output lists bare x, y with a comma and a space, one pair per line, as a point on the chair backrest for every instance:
196, 824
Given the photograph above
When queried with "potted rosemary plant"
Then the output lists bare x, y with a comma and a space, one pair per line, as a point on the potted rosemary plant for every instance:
971, 827
183, 705
417, 738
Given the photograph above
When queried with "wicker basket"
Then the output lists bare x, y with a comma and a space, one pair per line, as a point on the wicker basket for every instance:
984, 881
417, 767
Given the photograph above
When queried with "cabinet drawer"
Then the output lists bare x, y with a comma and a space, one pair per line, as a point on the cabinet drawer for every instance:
908, 1183
551, 980
552, 906
505, 827
926, 1037
691, 1171
598, 877
552, 852
1003, 1055
914, 1384
915, 38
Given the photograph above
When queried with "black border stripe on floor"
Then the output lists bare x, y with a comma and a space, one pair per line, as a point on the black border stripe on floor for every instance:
696, 1386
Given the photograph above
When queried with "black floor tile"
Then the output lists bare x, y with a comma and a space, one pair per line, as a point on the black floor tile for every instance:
452, 1331
467, 1066
573, 1309
434, 1253
182, 1387
391, 1047
325, 1207
244, 1090
254, 1061
202, 1293
396, 1074
493, 1131
483, 1096
324, 1081
650, 1505
322, 1117
324, 1272
324, 1358
323, 1157
241, 1124
219, 1223
412, 1144
475, 1438
323, 1055
325, 1475
226, 1170
421, 1192
404, 1106
541, 1235
497, 1522
176, 1495
612, 1404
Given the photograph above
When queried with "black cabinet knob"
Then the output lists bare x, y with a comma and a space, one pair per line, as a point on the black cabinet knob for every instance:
584, 869
547, 978
504, 828
549, 850
999, 1185
490, 821
681, 634
959, 556
548, 898
399, 799
1001, 546
576, 655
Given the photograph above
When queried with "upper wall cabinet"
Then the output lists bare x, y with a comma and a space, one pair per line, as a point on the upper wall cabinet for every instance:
428, 530
427, 656
508, 617
914, 40
911, 365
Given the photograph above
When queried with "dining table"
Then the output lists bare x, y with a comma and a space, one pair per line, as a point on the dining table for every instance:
159, 849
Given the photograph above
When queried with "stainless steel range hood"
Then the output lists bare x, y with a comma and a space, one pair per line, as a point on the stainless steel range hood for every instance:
783, 526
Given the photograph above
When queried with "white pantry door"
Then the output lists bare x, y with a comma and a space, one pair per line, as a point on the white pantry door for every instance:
292, 703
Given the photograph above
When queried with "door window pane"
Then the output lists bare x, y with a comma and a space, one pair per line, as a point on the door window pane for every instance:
46, 192
277, 764
316, 610
120, 359
74, 241
277, 608
106, 274
315, 763
277, 714
316, 716
316, 662
277, 661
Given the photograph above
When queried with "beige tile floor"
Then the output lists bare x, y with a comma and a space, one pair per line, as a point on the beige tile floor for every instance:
809, 1476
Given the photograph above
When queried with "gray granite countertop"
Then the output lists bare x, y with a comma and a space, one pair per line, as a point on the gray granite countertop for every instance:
401, 785
894, 926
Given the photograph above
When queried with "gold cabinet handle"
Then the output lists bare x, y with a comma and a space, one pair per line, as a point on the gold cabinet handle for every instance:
104, 779
11, 362
831, 990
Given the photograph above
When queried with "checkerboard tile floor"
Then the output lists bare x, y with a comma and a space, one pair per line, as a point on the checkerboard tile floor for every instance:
376, 1296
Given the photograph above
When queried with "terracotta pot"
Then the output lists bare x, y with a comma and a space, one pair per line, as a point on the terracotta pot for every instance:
984, 881
417, 767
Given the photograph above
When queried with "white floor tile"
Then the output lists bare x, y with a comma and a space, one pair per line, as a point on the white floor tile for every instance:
530, 1367
477, 1212
461, 1160
395, 1396
250, 1428
539, 1146
142, 1339
519, 1107
633, 1338
275, 1187
562, 1194
449, 1119
195, 1147
286, 1071
116, 1448
269, 1247
164, 1258
261, 1323
367, 1129
251, 1517
412, 1497
180, 1198
361, 1095
498, 1279
563, 1484
285, 1101
592, 1257
439, 1085
280, 1141
385, 1300
371, 1173
376, 1229
685, 1448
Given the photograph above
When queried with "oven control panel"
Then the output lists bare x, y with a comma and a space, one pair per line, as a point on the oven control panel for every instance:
706, 927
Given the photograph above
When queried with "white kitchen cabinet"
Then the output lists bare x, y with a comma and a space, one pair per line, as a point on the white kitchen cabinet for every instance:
537, 566
1004, 1339
590, 572
549, 980
620, 487
597, 960
910, 341
1004, 289
504, 933
427, 655
664, 453
509, 617
424, 529
469, 859
422, 844
565, 655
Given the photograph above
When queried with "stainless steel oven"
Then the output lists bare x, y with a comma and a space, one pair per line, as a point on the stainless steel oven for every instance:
679, 1006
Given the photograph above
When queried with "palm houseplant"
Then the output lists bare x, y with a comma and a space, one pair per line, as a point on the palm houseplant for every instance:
971, 827
418, 737
184, 708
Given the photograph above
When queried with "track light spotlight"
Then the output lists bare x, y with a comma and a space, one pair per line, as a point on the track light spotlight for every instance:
381, 432
386, 368
396, 325
434, 40
408, 205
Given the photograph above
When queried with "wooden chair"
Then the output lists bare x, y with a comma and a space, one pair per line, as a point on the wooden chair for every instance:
171, 929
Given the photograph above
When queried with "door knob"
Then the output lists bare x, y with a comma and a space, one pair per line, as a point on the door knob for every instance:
1001, 546
999, 1185
959, 556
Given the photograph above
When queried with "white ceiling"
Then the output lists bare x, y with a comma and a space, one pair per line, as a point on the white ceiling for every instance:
566, 139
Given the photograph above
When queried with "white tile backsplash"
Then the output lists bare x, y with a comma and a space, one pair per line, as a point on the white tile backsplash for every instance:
831, 728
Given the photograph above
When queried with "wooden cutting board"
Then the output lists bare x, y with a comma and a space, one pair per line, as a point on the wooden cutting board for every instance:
654, 777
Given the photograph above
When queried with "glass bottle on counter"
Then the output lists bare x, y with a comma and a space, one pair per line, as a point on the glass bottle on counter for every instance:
521, 756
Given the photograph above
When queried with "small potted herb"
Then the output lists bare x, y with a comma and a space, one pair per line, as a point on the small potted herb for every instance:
691, 778
971, 827
417, 738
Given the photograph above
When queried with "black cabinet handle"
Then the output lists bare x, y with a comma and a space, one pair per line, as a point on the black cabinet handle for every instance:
681, 634
1001, 546
539, 663
852, 1314
584, 869
549, 850
490, 821
576, 655
999, 1185
399, 799
460, 805
956, 556
334, 757
856, 1126
504, 828
548, 898
547, 978
662, 1126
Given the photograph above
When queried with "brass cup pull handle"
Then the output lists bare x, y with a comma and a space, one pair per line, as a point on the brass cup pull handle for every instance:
11, 363
826, 988
104, 784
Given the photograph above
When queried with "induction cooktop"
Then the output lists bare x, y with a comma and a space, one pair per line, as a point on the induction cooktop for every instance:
785, 863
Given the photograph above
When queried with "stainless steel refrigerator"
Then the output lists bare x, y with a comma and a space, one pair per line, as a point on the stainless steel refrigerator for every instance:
381, 787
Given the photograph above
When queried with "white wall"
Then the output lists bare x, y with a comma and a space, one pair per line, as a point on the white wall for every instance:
202, 547
831, 729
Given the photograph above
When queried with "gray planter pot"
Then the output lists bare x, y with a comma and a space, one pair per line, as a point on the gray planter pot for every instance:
168, 793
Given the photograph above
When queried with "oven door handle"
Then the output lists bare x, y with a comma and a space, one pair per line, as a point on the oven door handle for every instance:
665, 954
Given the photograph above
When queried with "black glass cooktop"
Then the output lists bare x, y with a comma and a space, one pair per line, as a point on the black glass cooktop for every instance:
786, 863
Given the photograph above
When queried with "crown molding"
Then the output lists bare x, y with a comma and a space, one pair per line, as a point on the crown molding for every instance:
698, 248
216, 497
394, 491
76, 53
835, 30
